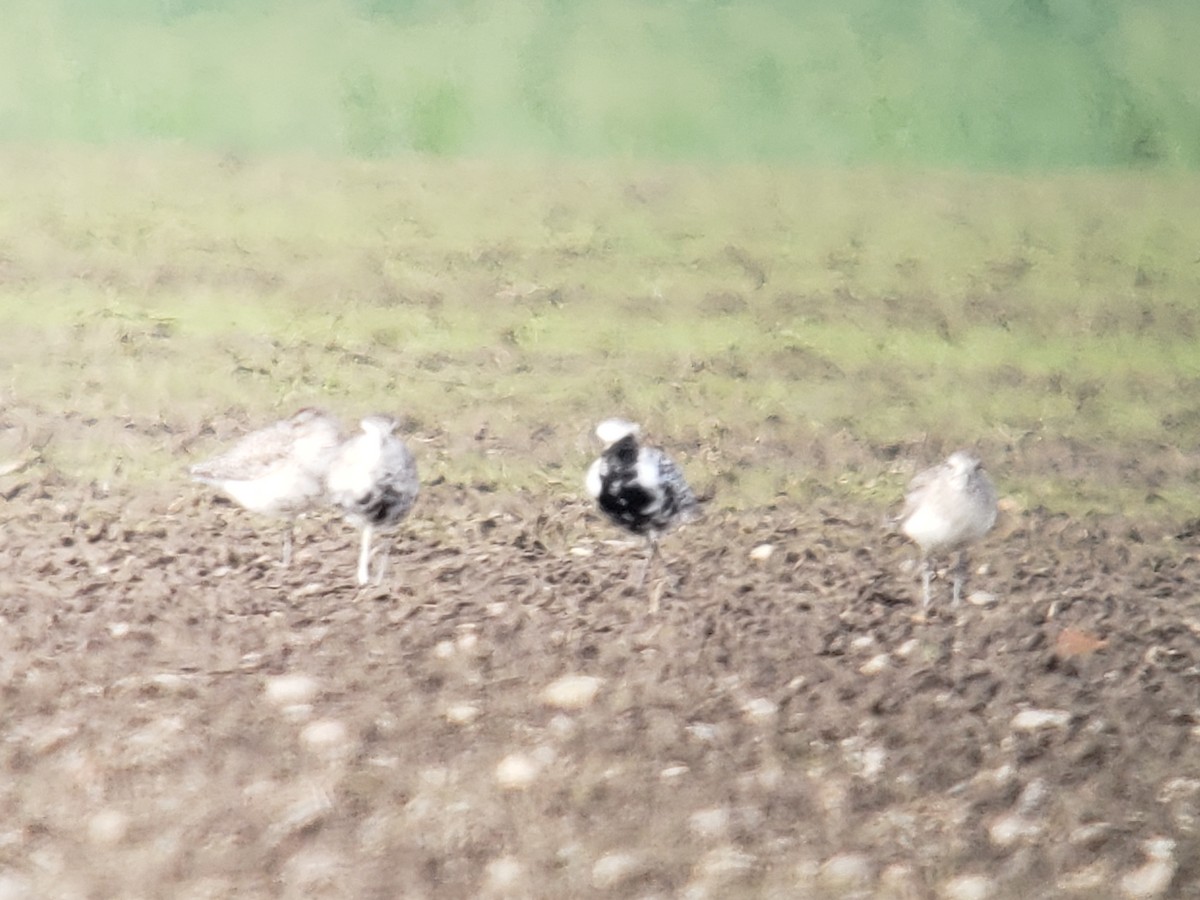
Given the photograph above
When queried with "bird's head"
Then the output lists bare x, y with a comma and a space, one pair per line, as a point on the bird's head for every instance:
612, 430
379, 425
963, 462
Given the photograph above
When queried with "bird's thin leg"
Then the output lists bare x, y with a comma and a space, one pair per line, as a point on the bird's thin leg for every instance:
926, 583
364, 556
651, 551
385, 558
287, 544
960, 577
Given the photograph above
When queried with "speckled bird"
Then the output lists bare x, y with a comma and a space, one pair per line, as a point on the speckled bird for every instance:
639, 488
278, 470
948, 507
373, 481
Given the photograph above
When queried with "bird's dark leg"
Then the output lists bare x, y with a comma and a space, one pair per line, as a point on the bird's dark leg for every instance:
960, 577
651, 552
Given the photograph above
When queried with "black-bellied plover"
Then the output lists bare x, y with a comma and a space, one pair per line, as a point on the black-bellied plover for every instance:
278, 470
639, 488
948, 507
373, 480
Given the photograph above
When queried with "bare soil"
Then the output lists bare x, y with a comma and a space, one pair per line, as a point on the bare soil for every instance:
780, 727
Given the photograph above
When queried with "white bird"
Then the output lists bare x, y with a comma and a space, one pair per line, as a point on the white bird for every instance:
639, 488
278, 470
948, 507
373, 480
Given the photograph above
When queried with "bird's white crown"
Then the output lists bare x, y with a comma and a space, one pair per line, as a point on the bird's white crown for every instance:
612, 430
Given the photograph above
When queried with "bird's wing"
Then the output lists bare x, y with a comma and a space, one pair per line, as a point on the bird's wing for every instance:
670, 476
918, 489
255, 455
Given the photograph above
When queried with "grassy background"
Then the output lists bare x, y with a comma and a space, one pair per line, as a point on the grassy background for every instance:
808, 244
935, 82
787, 331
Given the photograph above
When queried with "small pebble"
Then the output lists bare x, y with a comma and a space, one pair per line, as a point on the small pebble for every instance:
848, 870
503, 873
572, 692
709, 823
1152, 879
461, 713
875, 665
614, 869
985, 599
968, 887
760, 709
1011, 828
1037, 719
724, 864
289, 690
326, 736
762, 552
108, 828
516, 772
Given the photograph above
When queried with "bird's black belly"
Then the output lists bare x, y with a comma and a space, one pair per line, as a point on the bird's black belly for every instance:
383, 507
626, 504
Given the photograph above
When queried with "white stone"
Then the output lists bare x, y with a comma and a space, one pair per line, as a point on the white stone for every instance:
503, 874
760, 709
908, 648
724, 864
848, 870
673, 772
614, 869
898, 878
516, 772
1152, 879
467, 641
291, 690
326, 736
986, 599
572, 692
1037, 719
875, 665
762, 552
16, 887
1011, 828
108, 827
709, 823
968, 887
461, 713
1087, 881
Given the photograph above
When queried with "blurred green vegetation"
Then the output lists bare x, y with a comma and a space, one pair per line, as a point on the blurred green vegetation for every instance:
1009, 84
787, 332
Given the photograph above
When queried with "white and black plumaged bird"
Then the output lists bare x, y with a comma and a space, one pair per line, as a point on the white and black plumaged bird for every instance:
278, 470
373, 481
639, 488
948, 507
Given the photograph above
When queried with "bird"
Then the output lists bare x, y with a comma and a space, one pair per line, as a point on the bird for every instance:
639, 488
948, 507
279, 470
373, 481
